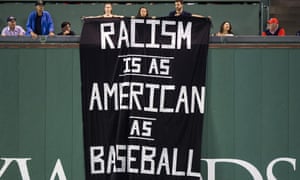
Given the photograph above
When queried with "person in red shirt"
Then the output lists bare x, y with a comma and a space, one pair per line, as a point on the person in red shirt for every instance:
273, 28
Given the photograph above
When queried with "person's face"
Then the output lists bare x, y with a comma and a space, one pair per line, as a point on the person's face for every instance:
226, 26
143, 12
12, 24
273, 26
107, 9
67, 28
39, 8
178, 6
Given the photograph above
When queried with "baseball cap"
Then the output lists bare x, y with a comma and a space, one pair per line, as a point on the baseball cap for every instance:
11, 18
273, 21
39, 2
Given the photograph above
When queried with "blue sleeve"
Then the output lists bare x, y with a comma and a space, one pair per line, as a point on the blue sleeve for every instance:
30, 23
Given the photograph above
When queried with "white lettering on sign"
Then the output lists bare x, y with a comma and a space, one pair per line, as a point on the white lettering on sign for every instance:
166, 162
116, 162
178, 39
128, 95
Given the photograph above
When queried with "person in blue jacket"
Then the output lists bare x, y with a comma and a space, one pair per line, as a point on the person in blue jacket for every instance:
39, 22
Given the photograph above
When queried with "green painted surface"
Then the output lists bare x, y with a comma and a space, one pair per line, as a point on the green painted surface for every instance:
40, 112
252, 111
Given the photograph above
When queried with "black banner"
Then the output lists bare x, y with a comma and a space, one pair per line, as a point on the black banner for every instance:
143, 97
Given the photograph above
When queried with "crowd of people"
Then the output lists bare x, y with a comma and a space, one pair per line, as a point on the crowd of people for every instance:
40, 22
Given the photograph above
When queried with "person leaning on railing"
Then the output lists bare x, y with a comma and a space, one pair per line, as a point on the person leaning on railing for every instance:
225, 29
66, 29
39, 22
273, 28
12, 29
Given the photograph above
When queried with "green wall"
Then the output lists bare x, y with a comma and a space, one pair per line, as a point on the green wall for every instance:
244, 17
40, 111
253, 109
252, 112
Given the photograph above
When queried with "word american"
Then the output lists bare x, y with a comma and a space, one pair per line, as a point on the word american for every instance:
174, 31
128, 95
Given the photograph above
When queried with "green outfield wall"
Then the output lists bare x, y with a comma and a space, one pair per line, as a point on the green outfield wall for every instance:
252, 112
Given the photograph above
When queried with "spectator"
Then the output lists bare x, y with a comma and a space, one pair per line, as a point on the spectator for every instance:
39, 22
225, 29
107, 12
298, 33
66, 29
273, 28
179, 9
179, 12
142, 13
12, 29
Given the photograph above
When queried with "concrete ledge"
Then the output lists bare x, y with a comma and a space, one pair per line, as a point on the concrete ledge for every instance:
215, 42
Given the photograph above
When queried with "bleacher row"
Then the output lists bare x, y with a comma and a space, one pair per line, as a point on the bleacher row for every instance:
245, 17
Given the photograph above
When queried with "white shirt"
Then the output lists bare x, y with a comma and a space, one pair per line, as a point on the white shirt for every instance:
18, 31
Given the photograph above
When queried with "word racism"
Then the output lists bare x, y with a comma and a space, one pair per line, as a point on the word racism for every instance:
182, 32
